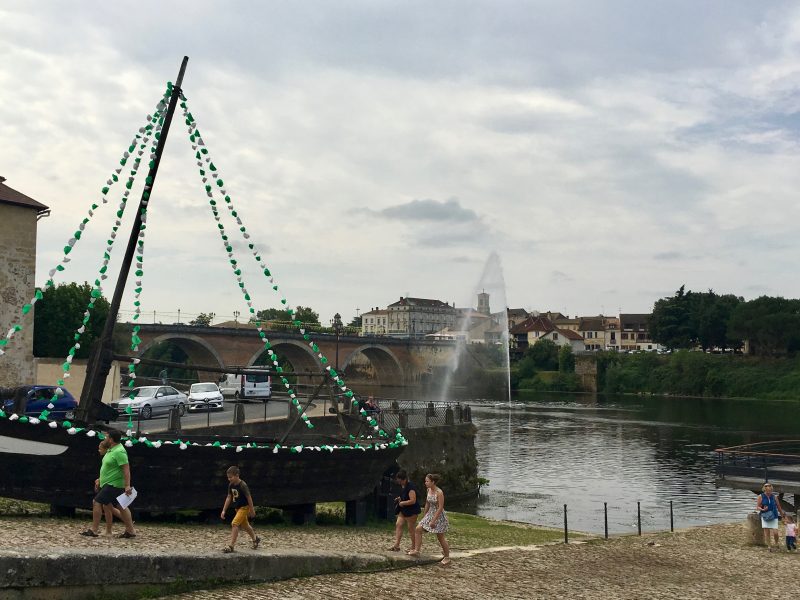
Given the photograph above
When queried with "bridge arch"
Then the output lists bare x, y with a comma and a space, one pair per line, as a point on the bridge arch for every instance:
198, 350
298, 353
388, 369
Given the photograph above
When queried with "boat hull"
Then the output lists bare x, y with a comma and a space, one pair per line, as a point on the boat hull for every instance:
45, 464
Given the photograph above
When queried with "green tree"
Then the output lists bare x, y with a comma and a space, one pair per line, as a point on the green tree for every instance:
302, 313
169, 352
543, 355
59, 314
711, 316
770, 324
356, 322
671, 321
566, 359
202, 320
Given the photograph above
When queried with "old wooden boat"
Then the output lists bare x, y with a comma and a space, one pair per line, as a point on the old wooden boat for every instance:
297, 461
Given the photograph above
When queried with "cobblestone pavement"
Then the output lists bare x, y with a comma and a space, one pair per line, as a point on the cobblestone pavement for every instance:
709, 563
49, 533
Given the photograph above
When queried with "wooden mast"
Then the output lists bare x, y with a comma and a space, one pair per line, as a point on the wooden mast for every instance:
90, 406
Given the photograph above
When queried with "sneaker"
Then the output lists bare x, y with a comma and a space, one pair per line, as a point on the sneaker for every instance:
256, 543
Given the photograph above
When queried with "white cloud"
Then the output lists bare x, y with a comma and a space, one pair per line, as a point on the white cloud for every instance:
620, 147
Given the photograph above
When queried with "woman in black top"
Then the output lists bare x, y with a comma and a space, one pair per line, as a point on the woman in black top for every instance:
406, 508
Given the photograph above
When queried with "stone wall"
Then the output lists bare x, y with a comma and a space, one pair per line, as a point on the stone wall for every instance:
586, 369
17, 279
448, 450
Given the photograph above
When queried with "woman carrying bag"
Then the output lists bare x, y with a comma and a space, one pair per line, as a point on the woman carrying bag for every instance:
771, 513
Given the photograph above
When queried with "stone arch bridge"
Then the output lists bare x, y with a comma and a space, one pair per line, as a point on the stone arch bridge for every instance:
391, 361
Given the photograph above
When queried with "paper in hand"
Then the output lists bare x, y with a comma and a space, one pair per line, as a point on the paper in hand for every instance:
125, 500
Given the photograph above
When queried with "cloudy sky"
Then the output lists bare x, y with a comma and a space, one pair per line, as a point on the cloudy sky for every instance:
609, 152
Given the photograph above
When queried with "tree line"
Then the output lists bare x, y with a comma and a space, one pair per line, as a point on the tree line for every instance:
770, 325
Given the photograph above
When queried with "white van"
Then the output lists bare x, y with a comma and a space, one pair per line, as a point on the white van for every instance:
246, 386
231, 385
257, 386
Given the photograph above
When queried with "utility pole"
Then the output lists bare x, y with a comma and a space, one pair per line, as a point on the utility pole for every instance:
336, 323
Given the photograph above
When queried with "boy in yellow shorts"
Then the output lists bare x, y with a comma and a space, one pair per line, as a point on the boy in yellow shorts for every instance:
239, 496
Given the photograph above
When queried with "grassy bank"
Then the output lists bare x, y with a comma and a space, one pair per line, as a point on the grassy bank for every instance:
687, 373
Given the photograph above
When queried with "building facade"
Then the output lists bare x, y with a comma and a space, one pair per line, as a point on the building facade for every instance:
375, 322
634, 333
410, 317
19, 215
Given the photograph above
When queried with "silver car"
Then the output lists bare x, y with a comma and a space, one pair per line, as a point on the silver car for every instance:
205, 396
152, 400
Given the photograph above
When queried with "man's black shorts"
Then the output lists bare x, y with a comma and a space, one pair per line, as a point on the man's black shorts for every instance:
108, 494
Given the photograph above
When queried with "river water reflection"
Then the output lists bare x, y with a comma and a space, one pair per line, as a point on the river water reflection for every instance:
585, 450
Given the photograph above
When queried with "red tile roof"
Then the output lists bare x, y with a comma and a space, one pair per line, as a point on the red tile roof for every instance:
533, 324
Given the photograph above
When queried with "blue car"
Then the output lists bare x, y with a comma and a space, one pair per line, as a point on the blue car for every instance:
38, 399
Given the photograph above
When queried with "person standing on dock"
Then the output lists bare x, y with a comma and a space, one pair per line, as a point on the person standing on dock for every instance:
771, 513
407, 509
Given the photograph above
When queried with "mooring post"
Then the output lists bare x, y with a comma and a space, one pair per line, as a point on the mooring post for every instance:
671, 518
566, 531
238, 413
639, 516
605, 517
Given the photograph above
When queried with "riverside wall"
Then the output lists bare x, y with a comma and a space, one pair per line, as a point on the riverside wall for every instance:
448, 450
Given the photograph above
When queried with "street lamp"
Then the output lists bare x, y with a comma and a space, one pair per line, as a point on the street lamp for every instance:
236, 314
336, 323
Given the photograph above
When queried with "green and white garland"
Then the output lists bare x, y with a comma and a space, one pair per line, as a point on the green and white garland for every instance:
97, 290
154, 126
76, 236
158, 121
210, 172
131, 441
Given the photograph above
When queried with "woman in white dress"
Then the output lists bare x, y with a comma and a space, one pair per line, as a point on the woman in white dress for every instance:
435, 519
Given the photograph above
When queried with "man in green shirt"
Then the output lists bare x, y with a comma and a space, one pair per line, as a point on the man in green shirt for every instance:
114, 480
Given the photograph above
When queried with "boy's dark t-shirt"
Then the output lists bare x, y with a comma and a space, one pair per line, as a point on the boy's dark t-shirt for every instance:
239, 493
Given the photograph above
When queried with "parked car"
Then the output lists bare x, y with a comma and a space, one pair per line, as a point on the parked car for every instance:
40, 396
205, 396
151, 400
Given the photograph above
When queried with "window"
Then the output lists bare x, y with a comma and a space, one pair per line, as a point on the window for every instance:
624, 336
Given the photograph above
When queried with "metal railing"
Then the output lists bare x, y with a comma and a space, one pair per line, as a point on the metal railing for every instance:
764, 459
414, 414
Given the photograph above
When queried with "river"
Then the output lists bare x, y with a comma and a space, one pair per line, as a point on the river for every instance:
584, 450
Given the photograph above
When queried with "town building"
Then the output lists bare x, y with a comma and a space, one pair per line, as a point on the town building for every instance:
516, 316
19, 216
375, 322
410, 317
600, 332
539, 327
635, 333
